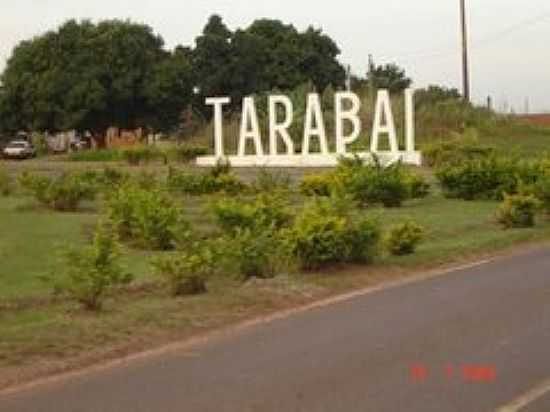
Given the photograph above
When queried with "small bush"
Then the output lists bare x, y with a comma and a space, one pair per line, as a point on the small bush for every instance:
455, 151
141, 154
322, 235
6, 184
64, 193
265, 212
485, 179
187, 272
187, 153
148, 217
418, 188
518, 211
256, 253
377, 184
404, 238
203, 184
317, 185
103, 155
269, 182
541, 189
92, 271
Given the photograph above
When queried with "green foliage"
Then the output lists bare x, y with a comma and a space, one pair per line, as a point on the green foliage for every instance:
141, 154
186, 153
149, 217
403, 239
264, 212
187, 272
6, 183
203, 184
389, 76
318, 185
89, 76
487, 178
267, 55
377, 184
256, 252
323, 235
64, 193
270, 182
541, 190
455, 151
102, 155
518, 211
89, 273
418, 188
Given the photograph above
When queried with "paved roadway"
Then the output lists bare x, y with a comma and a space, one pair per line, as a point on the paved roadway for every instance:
386, 351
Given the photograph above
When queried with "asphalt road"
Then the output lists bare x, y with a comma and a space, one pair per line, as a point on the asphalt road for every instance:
472, 340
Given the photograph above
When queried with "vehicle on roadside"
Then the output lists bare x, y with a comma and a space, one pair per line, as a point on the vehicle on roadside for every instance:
19, 149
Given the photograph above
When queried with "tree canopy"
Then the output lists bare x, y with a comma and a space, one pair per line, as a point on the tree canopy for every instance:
90, 76
93, 76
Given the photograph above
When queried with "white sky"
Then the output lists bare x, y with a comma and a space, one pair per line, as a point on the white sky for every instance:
421, 35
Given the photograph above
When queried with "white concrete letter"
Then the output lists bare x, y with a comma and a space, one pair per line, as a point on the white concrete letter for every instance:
277, 129
250, 118
383, 110
342, 114
409, 121
314, 125
218, 103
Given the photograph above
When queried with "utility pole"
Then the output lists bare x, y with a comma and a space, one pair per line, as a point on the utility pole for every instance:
465, 64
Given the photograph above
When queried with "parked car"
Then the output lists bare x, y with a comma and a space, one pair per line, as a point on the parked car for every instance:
19, 149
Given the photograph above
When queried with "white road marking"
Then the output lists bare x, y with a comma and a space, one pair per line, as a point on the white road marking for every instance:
528, 398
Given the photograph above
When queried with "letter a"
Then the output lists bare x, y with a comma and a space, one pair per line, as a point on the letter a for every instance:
250, 118
383, 110
314, 115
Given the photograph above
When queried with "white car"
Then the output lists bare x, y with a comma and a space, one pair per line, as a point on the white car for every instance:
19, 149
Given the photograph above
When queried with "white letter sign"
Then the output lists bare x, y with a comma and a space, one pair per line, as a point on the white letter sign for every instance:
347, 130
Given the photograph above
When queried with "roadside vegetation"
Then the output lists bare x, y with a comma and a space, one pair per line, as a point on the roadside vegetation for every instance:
110, 251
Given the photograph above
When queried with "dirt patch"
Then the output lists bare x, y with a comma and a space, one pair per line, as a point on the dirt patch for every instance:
536, 119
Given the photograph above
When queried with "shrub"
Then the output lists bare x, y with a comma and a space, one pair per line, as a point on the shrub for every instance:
103, 155
403, 239
186, 153
141, 154
485, 179
202, 184
377, 184
541, 190
269, 182
223, 167
257, 252
187, 272
92, 271
455, 151
64, 193
417, 186
518, 211
317, 185
147, 216
6, 184
265, 212
323, 235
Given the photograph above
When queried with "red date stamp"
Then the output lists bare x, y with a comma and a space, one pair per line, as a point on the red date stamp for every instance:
483, 374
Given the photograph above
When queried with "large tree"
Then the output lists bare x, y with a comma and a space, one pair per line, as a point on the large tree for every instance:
265, 56
92, 76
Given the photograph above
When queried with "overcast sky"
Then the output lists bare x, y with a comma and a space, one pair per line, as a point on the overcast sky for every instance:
510, 52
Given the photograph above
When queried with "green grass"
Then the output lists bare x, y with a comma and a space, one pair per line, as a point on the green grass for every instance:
32, 240
43, 333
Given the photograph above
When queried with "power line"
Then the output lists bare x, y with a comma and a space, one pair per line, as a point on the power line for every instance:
488, 39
